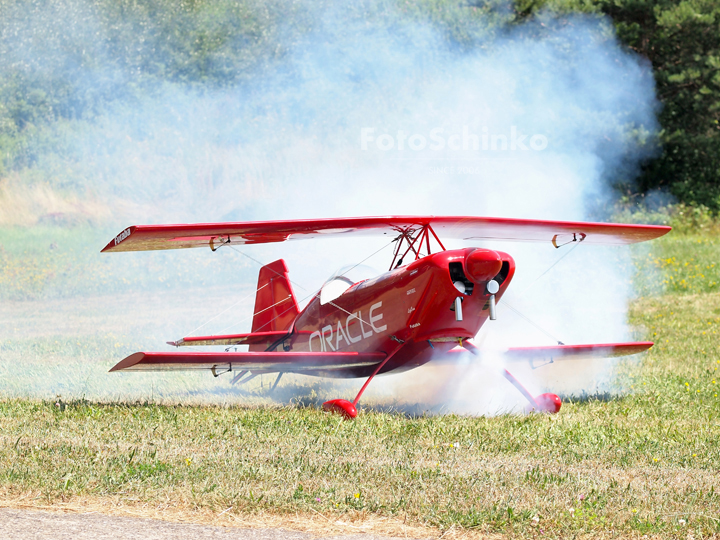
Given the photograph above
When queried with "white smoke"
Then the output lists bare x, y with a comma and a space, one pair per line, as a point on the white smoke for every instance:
557, 108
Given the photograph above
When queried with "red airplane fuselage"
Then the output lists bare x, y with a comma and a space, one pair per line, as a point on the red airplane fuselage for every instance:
413, 305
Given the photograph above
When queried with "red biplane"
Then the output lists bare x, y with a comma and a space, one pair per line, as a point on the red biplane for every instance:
427, 304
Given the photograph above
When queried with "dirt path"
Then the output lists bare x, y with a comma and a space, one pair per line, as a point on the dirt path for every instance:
18, 524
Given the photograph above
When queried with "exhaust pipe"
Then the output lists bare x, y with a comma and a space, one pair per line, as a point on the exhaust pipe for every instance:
492, 288
458, 309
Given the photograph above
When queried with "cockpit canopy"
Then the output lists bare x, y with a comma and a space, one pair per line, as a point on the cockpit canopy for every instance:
343, 279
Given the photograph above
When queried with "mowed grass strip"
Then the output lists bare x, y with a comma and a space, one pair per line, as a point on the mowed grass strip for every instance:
644, 463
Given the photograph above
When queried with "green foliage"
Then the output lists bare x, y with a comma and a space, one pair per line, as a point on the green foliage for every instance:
683, 218
114, 51
682, 41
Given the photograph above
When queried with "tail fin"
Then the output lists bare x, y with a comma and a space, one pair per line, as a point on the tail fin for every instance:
275, 304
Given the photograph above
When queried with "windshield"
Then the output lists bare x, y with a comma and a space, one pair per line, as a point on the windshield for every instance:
343, 279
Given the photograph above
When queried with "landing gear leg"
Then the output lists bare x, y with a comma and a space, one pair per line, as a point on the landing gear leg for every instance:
236, 379
239, 376
543, 403
276, 381
348, 410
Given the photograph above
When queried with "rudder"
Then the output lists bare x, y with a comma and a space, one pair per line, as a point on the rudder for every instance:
275, 303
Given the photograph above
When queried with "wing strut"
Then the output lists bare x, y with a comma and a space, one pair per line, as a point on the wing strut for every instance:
411, 237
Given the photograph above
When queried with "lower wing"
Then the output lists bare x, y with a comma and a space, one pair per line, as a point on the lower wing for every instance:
256, 338
290, 362
577, 352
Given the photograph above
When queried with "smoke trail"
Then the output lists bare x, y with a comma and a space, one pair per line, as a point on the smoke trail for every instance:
360, 117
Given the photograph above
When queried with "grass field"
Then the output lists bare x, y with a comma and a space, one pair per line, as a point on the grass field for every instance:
644, 462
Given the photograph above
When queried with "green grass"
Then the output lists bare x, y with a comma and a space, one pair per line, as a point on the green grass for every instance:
685, 261
678, 264
641, 463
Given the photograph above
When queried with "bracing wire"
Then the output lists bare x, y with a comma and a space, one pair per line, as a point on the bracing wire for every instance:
548, 334
243, 299
568, 252
506, 303
258, 313
284, 299
368, 257
261, 264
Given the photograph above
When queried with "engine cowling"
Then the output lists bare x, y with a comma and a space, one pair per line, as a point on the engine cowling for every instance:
481, 265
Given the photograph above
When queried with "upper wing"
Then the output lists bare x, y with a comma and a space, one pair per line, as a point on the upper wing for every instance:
577, 352
153, 237
293, 362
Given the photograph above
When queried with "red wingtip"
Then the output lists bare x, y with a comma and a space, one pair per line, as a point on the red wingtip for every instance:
128, 362
118, 239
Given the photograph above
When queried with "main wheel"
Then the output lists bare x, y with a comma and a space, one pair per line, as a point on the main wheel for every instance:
342, 407
550, 403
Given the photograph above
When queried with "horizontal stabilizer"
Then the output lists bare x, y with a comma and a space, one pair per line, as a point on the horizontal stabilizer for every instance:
576, 352
257, 338
214, 235
290, 362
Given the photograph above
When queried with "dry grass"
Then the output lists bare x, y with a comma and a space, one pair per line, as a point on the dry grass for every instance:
39, 203
313, 522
